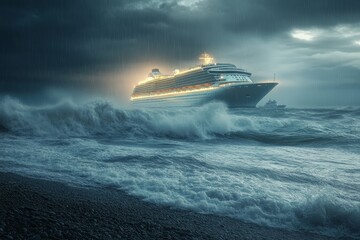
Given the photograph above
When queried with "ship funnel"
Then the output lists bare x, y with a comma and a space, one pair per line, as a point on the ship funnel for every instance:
206, 58
155, 72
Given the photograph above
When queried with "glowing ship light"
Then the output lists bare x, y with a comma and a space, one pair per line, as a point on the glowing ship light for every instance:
175, 93
206, 58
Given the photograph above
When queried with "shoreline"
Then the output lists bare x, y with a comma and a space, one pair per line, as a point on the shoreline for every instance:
40, 209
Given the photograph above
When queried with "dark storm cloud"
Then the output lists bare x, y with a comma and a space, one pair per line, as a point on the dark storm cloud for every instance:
62, 43
48, 40
272, 16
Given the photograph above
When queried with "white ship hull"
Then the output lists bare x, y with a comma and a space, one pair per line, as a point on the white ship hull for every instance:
234, 95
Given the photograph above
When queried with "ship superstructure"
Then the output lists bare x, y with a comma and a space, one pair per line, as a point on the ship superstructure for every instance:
202, 84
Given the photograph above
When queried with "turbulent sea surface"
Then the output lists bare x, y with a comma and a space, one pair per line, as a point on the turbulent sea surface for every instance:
296, 169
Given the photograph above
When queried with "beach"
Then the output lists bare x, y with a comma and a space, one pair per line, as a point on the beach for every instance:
41, 209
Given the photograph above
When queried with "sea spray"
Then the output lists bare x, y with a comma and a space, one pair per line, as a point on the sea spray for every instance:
211, 121
295, 168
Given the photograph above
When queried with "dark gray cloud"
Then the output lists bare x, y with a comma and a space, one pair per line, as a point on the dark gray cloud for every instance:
46, 38
269, 17
78, 44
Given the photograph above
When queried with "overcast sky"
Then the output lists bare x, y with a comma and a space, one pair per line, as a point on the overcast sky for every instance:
313, 46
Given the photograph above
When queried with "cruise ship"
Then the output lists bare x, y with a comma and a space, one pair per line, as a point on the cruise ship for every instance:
205, 83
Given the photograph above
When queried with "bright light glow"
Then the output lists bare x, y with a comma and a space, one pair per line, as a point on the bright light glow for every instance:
173, 93
189, 70
149, 79
303, 35
357, 42
207, 58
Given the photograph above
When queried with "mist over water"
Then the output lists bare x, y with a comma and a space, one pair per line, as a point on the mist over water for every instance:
292, 168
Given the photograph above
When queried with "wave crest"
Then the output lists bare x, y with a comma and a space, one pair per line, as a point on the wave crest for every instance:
101, 117
329, 213
207, 122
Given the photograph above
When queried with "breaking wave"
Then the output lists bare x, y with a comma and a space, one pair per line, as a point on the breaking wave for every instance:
212, 121
266, 197
209, 159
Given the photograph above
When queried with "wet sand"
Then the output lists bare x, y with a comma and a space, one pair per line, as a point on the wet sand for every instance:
39, 209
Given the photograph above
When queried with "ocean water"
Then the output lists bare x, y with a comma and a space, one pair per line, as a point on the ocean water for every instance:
295, 169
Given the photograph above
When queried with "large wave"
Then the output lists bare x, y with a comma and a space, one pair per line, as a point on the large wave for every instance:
220, 163
208, 122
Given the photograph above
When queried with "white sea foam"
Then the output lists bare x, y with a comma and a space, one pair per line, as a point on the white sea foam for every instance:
67, 118
207, 159
210, 121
